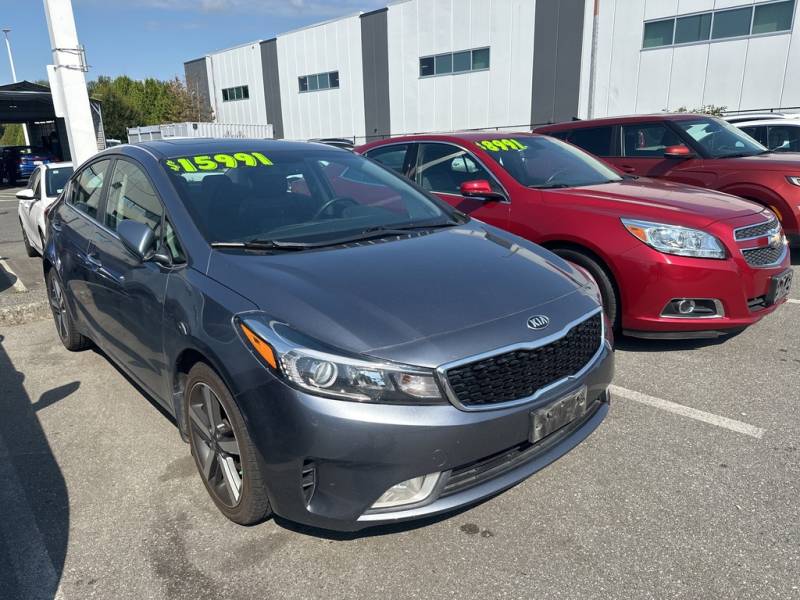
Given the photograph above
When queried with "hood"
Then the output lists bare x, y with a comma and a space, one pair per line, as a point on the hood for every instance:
786, 162
681, 204
424, 300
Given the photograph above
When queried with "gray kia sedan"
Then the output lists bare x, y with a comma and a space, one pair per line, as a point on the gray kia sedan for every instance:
338, 347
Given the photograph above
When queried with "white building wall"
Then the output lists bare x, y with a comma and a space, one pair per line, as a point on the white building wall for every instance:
232, 68
500, 96
332, 46
740, 74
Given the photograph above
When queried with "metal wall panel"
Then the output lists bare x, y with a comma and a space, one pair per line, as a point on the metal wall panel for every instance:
375, 57
558, 48
272, 85
197, 83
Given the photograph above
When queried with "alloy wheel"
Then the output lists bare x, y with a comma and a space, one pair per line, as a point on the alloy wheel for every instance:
58, 305
215, 445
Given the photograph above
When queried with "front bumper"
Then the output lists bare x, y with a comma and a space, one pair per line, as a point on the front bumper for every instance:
358, 451
650, 279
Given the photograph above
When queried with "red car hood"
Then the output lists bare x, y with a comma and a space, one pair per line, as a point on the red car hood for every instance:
645, 198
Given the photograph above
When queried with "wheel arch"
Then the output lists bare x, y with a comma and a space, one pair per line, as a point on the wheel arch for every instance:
184, 361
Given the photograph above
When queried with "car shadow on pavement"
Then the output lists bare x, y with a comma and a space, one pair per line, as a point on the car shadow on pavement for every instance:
7, 280
34, 502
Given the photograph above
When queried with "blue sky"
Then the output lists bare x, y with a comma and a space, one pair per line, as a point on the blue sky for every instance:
152, 38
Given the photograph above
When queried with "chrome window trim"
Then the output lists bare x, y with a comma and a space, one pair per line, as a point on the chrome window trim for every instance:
441, 371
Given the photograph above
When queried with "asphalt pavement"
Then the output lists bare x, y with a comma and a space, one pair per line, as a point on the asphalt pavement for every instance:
689, 489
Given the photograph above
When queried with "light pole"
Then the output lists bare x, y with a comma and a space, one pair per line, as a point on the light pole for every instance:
14, 78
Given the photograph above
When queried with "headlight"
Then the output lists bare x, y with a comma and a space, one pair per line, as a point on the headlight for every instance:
794, 180
672, 239
313, 367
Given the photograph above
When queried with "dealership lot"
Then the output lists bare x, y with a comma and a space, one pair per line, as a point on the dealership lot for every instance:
689, 489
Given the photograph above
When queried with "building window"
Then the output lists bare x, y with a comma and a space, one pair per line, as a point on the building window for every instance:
320, 81
240, 92
763, 18
769, 18
454, 62
658, 33
732, 23
694, 28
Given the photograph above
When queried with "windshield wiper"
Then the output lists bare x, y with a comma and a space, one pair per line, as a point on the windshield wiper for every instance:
739, 155
262, 245
551, 186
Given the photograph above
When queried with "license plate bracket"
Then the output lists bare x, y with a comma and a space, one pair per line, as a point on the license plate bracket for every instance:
779, 286
557, 414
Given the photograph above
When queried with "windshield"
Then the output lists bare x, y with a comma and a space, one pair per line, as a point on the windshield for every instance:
720, 139
539, 161
56, 179
307, 196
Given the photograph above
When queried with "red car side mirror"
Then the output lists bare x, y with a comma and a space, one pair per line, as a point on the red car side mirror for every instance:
479, 188
678, 151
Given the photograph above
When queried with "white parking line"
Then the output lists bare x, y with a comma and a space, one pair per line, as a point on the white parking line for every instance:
17, 285
686, 411
793, 301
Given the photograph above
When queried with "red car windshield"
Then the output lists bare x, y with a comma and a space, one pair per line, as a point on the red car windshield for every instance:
720, 139
544, 162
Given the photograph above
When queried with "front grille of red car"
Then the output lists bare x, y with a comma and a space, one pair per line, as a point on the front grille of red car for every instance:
762, 257
521, 373
760, 229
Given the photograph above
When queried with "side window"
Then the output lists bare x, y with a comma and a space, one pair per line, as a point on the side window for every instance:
758, 133
88, 187
648, 140
595, 140
443, 168
34, 183
393, 156
173, 244
783, 138
130, 196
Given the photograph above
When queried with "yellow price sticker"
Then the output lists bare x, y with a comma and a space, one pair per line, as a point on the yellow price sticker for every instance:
217, 162
501, 145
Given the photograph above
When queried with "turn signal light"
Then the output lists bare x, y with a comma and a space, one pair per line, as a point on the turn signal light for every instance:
263, 349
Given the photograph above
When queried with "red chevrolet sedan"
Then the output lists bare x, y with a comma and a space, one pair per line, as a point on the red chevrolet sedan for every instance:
671, 260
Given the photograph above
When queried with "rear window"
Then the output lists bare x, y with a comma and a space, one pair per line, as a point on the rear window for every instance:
56, 179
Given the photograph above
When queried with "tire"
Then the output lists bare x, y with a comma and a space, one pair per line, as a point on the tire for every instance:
29, 250
69, 336
608, 289
223, 451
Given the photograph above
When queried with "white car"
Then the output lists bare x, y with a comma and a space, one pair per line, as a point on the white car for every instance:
45, 184
778, 135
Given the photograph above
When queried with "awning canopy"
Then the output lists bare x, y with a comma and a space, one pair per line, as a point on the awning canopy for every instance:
25, 102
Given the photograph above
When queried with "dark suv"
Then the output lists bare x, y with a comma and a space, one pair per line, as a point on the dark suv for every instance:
339, 347
695, 149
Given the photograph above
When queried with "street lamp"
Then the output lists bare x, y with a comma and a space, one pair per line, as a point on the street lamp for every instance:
6, 31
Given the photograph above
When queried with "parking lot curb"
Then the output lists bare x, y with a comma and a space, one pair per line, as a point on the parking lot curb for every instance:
24, 313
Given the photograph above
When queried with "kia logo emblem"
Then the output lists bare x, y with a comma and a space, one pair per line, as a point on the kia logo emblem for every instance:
538, 322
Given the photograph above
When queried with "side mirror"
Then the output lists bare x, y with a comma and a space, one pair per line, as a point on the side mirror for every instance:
479, 188
678, 151
137, 237
25, 195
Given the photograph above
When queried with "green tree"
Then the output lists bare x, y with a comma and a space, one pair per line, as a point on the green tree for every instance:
12, 135
131, 103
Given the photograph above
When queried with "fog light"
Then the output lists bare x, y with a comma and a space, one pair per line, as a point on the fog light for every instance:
695, 308
408, 492
686, 307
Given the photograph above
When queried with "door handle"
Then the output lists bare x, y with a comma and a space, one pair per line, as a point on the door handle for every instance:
627, 168
56, 224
